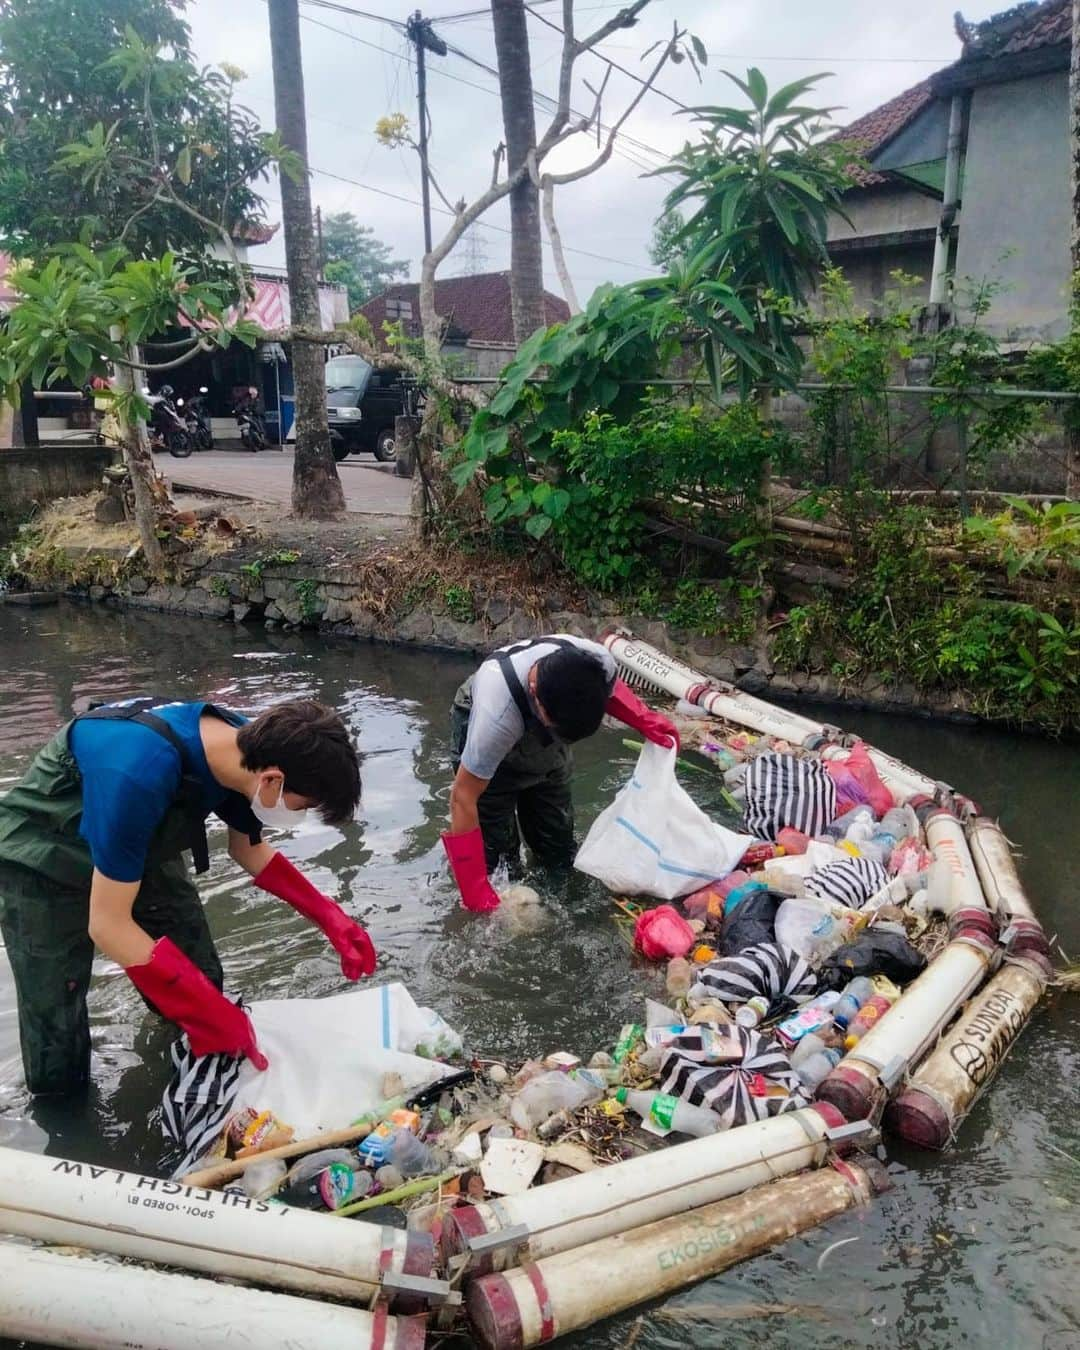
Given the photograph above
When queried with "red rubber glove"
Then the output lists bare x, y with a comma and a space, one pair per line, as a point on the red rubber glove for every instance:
469, 867
625, 705
279, 877
182, 993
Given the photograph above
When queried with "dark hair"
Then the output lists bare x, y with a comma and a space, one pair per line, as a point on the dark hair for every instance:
573, 688
309, 743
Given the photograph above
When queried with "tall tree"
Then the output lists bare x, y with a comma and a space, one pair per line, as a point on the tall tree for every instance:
668, 246
355, 259
519, 129
316, 490
67, 66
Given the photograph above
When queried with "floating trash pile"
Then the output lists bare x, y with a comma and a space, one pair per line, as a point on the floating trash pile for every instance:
856, 955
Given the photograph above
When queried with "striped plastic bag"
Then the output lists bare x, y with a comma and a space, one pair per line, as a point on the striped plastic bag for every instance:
784, 791
654, 840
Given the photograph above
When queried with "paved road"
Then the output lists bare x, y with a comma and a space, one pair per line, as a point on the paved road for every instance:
370, 488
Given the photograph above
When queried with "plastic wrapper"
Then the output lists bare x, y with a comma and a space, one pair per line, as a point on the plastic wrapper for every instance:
857, 782
662, 933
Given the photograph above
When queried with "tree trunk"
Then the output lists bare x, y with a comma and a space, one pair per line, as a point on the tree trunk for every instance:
519, 130
135, 444
316, 491
1072, 430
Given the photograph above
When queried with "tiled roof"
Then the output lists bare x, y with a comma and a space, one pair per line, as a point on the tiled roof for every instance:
476, 308
1047, 25
871, 131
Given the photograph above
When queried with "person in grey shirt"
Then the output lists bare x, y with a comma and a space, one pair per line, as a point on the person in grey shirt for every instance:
512, 725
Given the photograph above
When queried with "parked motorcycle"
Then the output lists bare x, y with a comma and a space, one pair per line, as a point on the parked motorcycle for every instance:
249, 420
168, 430
197, 419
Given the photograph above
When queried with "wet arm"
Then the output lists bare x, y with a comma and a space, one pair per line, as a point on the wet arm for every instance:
111, 927
465, 792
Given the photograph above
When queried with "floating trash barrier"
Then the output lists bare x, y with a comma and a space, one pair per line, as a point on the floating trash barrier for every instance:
850, 950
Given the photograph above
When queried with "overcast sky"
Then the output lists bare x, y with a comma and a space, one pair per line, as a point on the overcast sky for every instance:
363, 70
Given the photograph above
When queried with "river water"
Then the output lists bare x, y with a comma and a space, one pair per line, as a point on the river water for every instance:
979, 1247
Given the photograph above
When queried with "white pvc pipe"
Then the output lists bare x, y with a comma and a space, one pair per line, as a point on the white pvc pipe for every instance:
997, 870
595, 1205
87, 1300
947, 842
563, 1293
105, 1210
929, 1004
677, 679
947, 1083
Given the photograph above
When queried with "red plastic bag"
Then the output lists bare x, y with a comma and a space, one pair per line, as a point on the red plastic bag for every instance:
661, 933
857, 782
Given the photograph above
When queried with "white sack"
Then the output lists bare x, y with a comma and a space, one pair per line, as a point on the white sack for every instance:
653, 840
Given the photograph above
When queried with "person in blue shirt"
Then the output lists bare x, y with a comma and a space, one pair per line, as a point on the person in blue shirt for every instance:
91, 854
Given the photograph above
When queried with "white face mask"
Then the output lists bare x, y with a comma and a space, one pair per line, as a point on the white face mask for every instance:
279, 816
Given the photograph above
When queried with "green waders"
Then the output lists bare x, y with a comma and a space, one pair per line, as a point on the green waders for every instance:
528, 797
45, 873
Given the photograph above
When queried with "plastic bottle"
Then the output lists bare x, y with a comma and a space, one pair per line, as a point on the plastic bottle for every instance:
852, 997
550, 1092
670, 1113
869, 1015
816, 1068
753, 1011
411, 1156
901, 822
680, 976
810, 1044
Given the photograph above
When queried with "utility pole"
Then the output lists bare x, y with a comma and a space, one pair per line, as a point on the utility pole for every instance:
420, 34
319, 243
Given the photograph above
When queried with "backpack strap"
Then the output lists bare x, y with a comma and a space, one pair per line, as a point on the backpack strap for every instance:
517, 689
189, 797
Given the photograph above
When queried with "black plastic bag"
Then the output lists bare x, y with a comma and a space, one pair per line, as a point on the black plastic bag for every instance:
751, 923
873, 953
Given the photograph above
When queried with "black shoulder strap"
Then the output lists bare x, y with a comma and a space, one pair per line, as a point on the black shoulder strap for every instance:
513, 680
189, 798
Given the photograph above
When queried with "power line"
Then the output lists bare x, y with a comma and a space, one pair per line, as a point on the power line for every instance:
442, 211
594, 51
543, 101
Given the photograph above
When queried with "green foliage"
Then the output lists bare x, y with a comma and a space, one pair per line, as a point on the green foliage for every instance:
761, 182
1030, 538
219, 586
1019, 661
63, 325
609, 471
460, 603
667, 245
101, 103
282, 557
355, 259
311, 603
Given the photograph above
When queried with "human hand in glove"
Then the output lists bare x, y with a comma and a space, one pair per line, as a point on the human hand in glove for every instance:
625, 705
351, 942
182, 993
469, 868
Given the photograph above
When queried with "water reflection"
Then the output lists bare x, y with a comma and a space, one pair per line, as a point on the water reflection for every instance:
977, 1248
